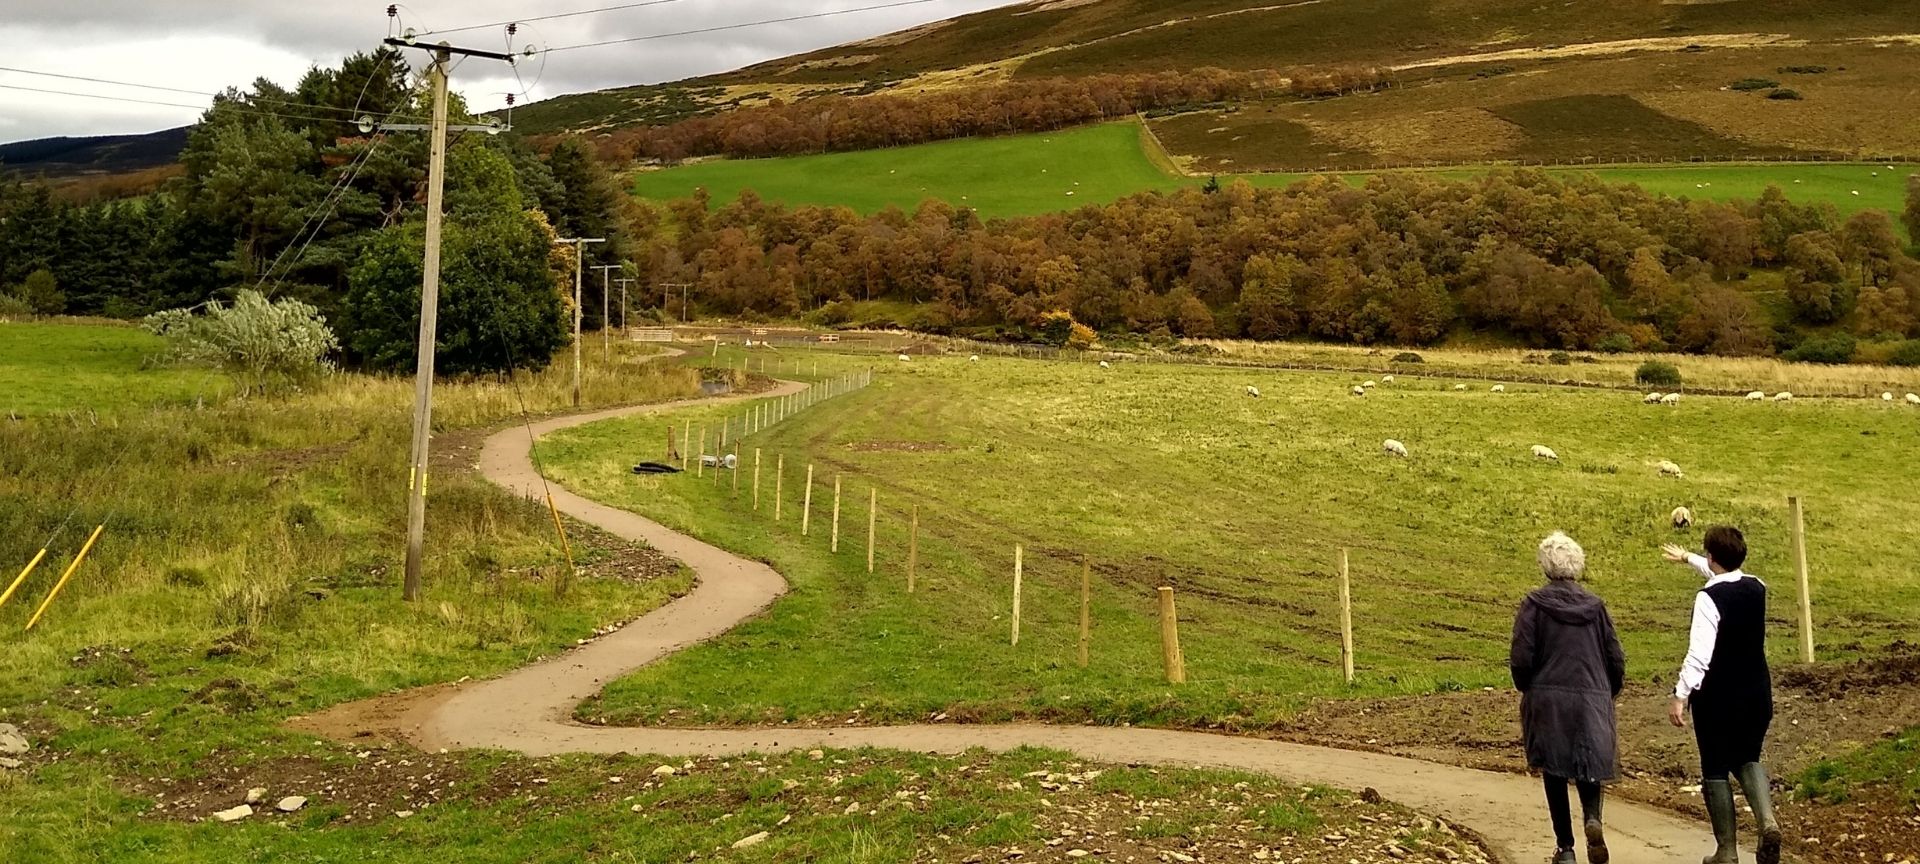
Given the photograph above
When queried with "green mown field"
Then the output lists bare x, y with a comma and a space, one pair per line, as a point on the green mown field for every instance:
1028, 174
58, 367
1167, 475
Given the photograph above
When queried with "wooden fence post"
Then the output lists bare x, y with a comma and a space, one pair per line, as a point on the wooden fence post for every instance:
806, 504
913, 546
1346, 619
669, 456
735, 470
700, 468
686, 443
834, 545
873, 517
1800, 566
1175, 664
779, 480
1086, 612
1016, 594
756, 479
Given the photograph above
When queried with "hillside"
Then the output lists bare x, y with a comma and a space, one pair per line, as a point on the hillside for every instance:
65, 157
1490, 80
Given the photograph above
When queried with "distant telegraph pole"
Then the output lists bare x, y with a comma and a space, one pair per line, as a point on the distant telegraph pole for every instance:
579, 259
606, 319
666, 297
624, 282
429, 296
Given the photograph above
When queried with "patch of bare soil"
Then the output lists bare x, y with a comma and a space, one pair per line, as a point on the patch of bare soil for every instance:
1821, 711
899, 447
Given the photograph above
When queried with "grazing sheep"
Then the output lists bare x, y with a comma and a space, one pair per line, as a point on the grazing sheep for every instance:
1369, 385
1544, 452
1387, 380
1682, 518
1459, 386
1913, 398
1886, 397
1359, 390
1668, 469
1783, 396
1253, 391
974, 359
1499, 388
1670, 399
1104, 365
1856, 191
1756, 396
1653, 398
1395, 448
905, 359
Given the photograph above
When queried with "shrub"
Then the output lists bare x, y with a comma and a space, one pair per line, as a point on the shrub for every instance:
13, 307
1785, 94
42, 293
262, 343
1657, 373
1408, 357
1560, 358
1615, 343
1080, 337
1801, 70
1834, 349
1746, 85
1054, 327
1906, 354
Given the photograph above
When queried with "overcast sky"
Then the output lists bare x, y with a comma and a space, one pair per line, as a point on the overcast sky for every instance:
206, 45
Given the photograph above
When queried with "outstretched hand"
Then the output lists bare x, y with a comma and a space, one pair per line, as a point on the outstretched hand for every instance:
1674, 553
1677, 713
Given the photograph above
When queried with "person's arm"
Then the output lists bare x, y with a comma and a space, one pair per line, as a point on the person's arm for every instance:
1693, 670
1520, 655
1615, 655
1681, 556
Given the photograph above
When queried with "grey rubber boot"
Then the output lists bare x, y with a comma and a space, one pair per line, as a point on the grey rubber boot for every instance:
1565, 856
1753, 781
1726, 825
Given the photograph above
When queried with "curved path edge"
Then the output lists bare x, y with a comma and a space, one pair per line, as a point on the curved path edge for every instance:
530, 710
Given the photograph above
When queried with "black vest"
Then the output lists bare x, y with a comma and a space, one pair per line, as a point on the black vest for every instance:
1738, 673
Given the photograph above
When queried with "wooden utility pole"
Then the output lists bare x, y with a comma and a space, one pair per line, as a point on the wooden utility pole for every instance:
1346, 619
624, 282
429, 295
1800, 566
579, 262
606, 316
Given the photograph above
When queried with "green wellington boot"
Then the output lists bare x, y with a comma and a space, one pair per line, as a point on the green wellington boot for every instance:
1590, 805
1753, 780
1719, 795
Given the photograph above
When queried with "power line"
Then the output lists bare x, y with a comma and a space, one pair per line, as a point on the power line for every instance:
238, 106
216, 95
725, 27
550, 17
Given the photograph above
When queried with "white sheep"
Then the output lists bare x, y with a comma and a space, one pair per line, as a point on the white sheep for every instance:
1369, 385
1653, 398
974, 359
1668, 469
1459, 386
1913, 398
1681, 517
1886, 397
1783, 396
1105, 365
1387, 380
1253, 391
1395, 448
1359, 390
1499, 388
905, 359
1670, 399
1544, 452
1756, 396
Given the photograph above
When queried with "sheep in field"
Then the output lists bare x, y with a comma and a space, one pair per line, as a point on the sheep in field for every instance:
1359, 390
1394, 448
974, 359
905, 359
1387, 380
1783, 396
1253, 391
1756, 396
1104, 365
1670, 399
1653, 398
1459, 386
1913, 398
1369, 385
1682, 518
1886, 397
1668, 469
1544, 452
1499, 388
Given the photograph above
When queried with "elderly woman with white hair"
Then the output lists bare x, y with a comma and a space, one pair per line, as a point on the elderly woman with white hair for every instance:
1569, 668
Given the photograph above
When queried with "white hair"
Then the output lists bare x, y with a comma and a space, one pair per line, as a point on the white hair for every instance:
1561, 558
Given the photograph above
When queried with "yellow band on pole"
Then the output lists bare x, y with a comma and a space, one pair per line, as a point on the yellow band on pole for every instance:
413, 477
423, 482
565, 547
23, 576
66, 575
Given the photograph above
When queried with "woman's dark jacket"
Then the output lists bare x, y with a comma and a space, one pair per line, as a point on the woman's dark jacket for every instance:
1568, 665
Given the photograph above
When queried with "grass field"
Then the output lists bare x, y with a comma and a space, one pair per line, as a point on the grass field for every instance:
48, 367
1028, 174
1170, 475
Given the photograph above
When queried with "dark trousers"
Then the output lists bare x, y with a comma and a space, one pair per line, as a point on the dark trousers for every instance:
1560, 808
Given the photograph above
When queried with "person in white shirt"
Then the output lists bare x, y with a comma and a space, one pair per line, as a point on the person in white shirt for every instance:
1725, 682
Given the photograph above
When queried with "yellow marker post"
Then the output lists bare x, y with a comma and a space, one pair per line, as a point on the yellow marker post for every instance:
24, 572
66, 575
565, 547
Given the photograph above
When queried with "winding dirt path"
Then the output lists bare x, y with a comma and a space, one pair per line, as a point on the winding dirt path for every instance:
530, 710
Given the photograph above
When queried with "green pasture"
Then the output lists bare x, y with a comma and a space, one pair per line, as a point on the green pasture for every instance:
51, 366
1168, 475
1021, 175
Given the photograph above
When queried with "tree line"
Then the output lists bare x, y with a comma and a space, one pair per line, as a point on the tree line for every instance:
837, 123
273, 198
1405, 259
